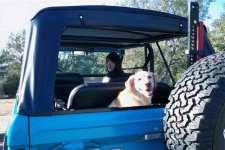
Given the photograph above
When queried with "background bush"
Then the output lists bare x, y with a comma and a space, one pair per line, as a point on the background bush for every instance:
10, 84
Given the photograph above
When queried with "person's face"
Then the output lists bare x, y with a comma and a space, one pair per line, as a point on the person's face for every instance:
110, 65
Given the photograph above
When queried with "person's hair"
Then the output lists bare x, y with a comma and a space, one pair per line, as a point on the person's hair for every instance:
115, 58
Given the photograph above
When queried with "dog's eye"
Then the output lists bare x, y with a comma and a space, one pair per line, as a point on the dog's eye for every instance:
139, 79
149, 77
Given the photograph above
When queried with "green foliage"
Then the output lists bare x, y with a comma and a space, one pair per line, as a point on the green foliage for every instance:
15, 47
175, 57
3, 65
11, 83
134, 57
10, 62
217, 35
177, 7
91, 63
173, 50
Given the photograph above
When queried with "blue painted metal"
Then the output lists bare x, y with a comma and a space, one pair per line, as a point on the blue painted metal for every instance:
17, 133
15, 106
131, 129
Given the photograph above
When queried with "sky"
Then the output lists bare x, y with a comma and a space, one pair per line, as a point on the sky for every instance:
15, 15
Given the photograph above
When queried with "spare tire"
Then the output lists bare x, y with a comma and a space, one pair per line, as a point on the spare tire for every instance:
195, 114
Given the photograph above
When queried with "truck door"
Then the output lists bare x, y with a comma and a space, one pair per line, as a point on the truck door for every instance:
99, 129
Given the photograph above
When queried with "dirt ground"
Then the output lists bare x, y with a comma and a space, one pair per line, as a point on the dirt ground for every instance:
6, 106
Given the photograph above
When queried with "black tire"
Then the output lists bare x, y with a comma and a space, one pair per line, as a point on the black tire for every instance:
5, 143
195, 114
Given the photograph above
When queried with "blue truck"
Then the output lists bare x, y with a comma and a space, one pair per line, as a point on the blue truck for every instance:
57, 108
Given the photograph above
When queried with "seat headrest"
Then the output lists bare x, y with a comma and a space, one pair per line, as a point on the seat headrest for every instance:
69, 78
121, 78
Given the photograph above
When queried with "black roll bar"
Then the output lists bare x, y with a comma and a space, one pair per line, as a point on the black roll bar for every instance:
166, 64
150, 57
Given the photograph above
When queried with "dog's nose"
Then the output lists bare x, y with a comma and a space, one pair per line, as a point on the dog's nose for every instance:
148, 84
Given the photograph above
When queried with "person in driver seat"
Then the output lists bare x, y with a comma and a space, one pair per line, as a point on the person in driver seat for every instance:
113, 67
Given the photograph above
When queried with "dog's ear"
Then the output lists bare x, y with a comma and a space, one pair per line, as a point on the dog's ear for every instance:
129, 84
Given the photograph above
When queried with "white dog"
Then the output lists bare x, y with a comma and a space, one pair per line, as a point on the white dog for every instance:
138, 91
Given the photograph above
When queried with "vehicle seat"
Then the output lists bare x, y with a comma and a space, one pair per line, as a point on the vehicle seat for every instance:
100, 95
94, 95
65, 82
121, 78
161, 94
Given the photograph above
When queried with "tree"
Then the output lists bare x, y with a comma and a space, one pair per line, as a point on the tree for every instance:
3, 64
177, 7
15, 49
11, 61
217, 35
90, 63
174, 49
11, 83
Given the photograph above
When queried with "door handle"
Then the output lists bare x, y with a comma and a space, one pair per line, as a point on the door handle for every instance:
150, 136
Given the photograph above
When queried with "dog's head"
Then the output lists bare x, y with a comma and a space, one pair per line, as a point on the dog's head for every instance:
143, 82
